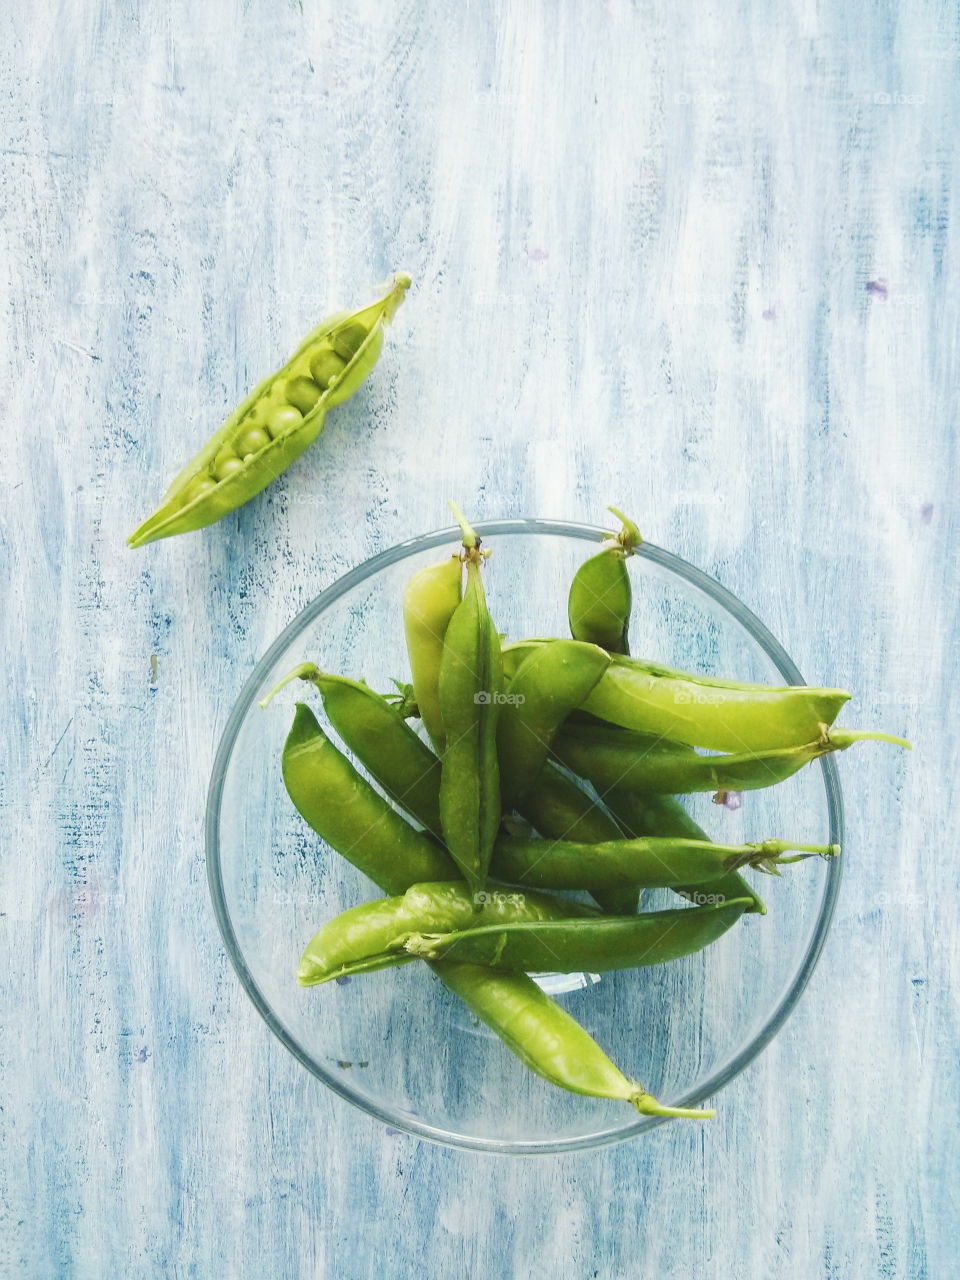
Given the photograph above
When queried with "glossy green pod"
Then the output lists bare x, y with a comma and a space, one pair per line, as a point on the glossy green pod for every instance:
611, 757
549, 684
546, 1039
372, 935
600, 598
653, 862
346, 811
560, 809
379, 736
701, 711
430, 598
471, 689
276, 422
592, 946
650, 815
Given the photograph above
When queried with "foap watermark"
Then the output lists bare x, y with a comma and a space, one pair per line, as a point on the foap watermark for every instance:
698, 697
486, 698
702, 899
881, 99
703, 98
498, 898
889, 699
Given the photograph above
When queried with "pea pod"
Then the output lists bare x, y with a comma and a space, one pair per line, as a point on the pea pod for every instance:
549, 684
276, 422
545, 1038
701, 711
382, 741
471, 687
372, 936
562, 810
351, 816
600, 599
662, 816
429, 601
337, 803
611, 757
573, 946
649, 863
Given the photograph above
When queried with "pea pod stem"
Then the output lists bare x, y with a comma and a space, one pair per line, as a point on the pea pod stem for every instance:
662, 816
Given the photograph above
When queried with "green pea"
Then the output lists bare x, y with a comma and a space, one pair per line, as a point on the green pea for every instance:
226, 463
303, 392
349, 340
326, 365
198, 487
286, 418
252, 441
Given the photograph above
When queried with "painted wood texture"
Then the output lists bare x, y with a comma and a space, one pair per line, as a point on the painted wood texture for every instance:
701, 263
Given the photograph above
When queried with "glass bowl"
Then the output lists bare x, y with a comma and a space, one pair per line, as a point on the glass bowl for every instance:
397, 1043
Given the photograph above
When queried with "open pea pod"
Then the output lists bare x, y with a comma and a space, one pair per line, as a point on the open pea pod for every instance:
277, 421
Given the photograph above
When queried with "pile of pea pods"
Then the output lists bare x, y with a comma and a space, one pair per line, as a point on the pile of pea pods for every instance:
543, 767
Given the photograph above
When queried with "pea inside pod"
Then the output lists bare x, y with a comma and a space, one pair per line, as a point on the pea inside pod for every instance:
276, 422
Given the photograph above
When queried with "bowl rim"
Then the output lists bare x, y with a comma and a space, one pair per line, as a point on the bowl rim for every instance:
328, 596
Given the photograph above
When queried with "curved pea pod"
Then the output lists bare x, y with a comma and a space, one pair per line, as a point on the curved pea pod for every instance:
549, 684
662, 816
545, 1038
700, 711
600, 599
276, 422
561, 810
372, 935
572, 946
351, 816
379, 736
620, 758
429, 600
471, 689
649, 863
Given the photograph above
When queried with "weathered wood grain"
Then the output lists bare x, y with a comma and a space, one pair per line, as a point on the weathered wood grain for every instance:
700, 263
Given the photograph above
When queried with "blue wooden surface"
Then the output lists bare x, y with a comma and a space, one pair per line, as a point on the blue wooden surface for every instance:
699, 263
